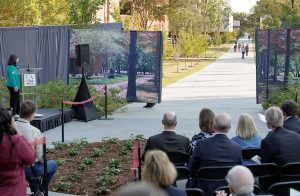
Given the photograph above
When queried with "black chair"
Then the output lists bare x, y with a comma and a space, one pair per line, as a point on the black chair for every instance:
42, 181
208, 179
266, 172
226, 189
213, 173
182, 173
178, 158
248, 153
290, 171
194, 192
283, 188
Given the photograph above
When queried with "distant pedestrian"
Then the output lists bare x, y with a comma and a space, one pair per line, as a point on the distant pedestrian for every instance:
235, 46
243, 51
247, 49
239, 46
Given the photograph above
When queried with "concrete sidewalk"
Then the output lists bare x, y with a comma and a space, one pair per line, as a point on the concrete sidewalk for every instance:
227, 85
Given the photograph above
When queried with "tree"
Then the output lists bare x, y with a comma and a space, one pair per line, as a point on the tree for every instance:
33, 12
83, 12
19, 13
148, 11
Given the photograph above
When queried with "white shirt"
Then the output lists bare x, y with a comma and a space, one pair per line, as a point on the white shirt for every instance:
31, 133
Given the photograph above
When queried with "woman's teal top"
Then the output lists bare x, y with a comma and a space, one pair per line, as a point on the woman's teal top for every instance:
13, 76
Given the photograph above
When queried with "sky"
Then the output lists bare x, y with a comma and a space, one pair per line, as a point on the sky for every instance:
242, 5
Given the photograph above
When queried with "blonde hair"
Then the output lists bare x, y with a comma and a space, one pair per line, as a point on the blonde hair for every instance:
246, 128
158, 170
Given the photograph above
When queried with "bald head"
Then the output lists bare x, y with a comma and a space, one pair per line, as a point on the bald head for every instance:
222, 123
240, 180
169, 120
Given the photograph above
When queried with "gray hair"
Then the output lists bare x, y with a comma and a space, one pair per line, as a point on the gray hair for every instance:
222, 123
139, 189
274, 117
170, 119
240, 179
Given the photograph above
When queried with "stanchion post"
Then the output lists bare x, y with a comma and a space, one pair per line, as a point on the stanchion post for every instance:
45, 180
62, 122
105, 103
140, 162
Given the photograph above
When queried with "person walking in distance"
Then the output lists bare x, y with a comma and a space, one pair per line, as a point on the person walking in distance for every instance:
235, 46
247, 49
239, 47
243, 51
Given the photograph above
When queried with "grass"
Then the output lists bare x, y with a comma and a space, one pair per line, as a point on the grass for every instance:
171, 75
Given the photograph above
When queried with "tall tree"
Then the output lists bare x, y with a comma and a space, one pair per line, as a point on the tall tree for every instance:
19, 13
84, 11
148, 11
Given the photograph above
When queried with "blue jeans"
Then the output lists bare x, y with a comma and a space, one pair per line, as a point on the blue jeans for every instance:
39, 171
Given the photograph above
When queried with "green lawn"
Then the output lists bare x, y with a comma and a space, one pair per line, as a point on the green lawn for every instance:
171, 74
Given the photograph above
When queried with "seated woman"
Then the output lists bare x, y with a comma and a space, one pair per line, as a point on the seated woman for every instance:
159, 171
15, 153
206, 125
246, 132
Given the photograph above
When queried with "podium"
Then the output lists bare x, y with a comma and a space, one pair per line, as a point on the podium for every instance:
29, 84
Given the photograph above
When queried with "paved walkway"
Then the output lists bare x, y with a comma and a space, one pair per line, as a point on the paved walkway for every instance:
227, 85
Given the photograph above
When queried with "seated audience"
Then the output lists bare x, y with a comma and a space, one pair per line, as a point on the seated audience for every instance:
176, 146
139, 189
206, 125
246, 132
159, 171
15, 154
33, 135
290, 113
218, 150
240, 181
281, 146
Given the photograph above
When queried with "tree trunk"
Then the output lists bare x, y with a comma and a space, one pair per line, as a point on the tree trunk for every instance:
132, 63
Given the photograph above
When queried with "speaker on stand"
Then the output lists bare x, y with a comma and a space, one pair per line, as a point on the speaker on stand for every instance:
82, 56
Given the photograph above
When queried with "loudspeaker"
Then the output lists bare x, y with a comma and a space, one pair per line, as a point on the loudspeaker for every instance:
82, 54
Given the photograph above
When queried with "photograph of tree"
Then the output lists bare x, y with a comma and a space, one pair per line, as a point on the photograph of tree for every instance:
128, 61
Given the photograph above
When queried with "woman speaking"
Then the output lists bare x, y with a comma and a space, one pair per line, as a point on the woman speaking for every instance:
13, 83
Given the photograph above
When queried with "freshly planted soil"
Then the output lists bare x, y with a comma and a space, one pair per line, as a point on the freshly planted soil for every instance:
72, 180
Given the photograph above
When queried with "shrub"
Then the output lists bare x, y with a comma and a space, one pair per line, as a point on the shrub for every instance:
280, 94
4, 93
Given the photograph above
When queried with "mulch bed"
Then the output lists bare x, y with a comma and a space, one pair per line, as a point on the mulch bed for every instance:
74, 177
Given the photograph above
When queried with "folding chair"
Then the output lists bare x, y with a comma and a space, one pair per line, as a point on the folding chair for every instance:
226, 189
183, 173
283, 188
194, 192
42, 181
248, 153
267, 173
208, 179
290, 171
178, 158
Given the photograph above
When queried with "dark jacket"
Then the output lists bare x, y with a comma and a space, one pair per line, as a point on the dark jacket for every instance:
292, 124
281, 146
218, 150
173, 191
169, 142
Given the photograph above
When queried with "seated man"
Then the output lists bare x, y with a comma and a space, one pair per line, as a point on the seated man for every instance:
281, 146
217, 150
176, 146
240, 181
34, 136
290, 112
